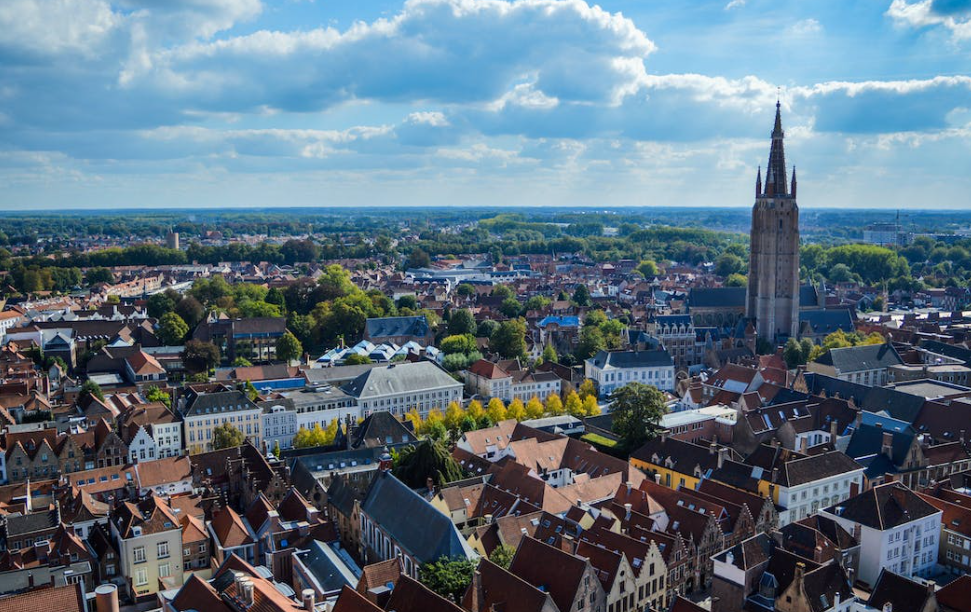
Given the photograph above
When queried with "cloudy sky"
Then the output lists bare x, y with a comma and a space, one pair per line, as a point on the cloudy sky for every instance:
206, 103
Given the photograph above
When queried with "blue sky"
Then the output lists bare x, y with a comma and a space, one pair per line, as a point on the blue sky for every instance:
213, 103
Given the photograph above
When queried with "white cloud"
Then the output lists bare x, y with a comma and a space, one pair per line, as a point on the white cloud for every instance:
923, 15
734, 4
805, 27
54, 27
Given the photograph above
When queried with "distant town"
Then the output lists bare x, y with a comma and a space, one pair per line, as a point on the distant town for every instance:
487, 411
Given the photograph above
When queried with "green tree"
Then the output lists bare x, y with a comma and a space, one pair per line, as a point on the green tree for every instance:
509, 340
637, 410
510, 307
288, 348
191, 310
98, 275
172, 329
242, 362
418, 259
728, 264
591, 342
736, 280
648, 268
450, 578
199, 356
462, 321
408, 301
465, 290
486, 328
502, 291
357, 359
90, 389
154, 394
549, 354
226, 436
457, 344
840, 273
581, 295
502, 555
160, 303
414, 464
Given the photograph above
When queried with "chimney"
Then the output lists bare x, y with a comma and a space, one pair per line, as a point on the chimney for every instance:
106, 598
246, 591
657, 478
775, 475
722, 455
627, 510
931, 587
712, 448
800, 570
488, 519
833, 432
630, 485
886, 446
307, 596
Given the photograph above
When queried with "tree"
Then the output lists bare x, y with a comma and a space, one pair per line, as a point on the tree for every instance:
792, 353
408, 301
154, 394
465, 290
509, 340
288, 348
736, 280
276, 449
591, 342
414, 464
453, 416
574, 405
486, 328
226, 436
450, 578
462, 322
496, 410
160, 303
728, 264
840, 273
537, 302
516, 410
357, 359
242, 362
590, 406
549, 354
98, 275
199, 356
534, 408
637, 410
648, 268
457, 344
502, 291
90, 389
554, 405
587, 389
191, 310
510, 307
502, 555
581, 295
414, 418
475, 411
172, 329
418, 259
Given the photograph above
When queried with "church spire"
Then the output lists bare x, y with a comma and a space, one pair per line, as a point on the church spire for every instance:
792, 190
775, 173
758, 183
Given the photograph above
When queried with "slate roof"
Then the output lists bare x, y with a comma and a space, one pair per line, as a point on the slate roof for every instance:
415, 524
397, 326
717, 297
632, 359
859, 358
825, 322
379, 429
868, 440
902, 593
816, 467
219, 402
884, 507
409, 377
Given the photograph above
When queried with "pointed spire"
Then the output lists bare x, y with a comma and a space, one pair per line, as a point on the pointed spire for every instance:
758, 182
792, 190
775, 173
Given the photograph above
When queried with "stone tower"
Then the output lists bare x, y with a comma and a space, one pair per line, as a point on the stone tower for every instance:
772, 299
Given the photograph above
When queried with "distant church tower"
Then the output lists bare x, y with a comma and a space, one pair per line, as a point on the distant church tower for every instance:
773, 281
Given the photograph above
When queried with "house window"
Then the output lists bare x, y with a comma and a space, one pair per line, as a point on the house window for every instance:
164, 571
139, 553
163, 550
141, 577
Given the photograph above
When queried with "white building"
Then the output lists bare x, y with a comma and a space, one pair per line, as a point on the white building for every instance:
866, 364
897, 530
614, 369
203, 412
279, 424
321, 405
151, 432
401, 387
809, 484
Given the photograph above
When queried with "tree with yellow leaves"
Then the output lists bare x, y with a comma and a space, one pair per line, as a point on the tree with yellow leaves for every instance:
453, 416
415, 419
496, 410
554, 405
434, 422
475, 410
574, 405
587, 388
516, 410
534, 408
590, 406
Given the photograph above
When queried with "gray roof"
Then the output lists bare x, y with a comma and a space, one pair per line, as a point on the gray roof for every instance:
395, 378
825, 322
632, 359
717, 297
327, 567
220, 402
397, 326
858, 358
884, 507
415, 524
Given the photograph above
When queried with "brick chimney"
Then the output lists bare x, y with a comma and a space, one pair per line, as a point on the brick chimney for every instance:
886, 445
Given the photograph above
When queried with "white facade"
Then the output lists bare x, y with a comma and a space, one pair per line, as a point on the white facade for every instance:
909, 549
279, 427
322, 406
609, 378
809, 498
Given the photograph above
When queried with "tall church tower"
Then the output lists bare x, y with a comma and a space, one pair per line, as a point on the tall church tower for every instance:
773, 279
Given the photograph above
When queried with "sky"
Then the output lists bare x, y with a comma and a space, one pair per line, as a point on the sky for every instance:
260, 103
